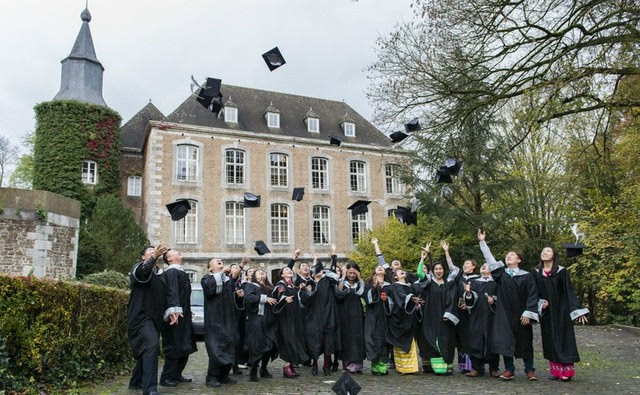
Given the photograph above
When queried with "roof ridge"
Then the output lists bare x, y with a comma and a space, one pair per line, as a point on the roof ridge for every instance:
284, 93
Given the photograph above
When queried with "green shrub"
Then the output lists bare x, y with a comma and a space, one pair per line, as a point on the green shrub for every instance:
57, 334
108, 278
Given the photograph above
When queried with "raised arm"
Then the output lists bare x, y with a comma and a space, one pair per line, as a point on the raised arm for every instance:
381, 261
445, 247
334, 258
486, 252
295, 256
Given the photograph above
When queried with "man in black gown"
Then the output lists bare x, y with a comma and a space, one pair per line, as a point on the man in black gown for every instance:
144, 318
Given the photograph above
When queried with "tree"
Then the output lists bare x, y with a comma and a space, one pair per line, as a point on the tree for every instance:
22, 175
8, 154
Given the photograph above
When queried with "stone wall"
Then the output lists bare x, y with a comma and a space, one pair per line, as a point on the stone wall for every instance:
38, 233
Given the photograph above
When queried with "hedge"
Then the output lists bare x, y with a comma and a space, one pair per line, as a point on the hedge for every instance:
108, 278
56, 334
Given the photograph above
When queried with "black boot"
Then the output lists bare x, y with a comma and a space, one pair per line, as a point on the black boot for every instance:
253, 374
264, 373
236, 370
314, 367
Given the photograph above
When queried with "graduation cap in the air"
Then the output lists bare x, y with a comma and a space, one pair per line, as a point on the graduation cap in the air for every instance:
273, 59
261, 248
359, 207
406, 216
573, 249
333, 140
397, 137
317, 268
251, 200
442, 175
346, 385
179, 209
210, 96
412, 126
453, 166
298, 194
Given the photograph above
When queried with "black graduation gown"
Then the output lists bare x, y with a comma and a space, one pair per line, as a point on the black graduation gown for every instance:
220, 321
291, 343
434, 327
402, 310
556, 321
241, 318
375, 323
178, 340
321, 316
351, 322
480, 316
462, 328
147, 302
261, 327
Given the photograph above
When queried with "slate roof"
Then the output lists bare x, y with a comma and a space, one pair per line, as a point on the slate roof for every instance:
132, 133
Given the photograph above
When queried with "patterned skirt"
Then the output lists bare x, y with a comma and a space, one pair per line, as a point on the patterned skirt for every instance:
406, 363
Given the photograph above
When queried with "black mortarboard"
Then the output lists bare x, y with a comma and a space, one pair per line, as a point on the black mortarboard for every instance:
179, 209
317, 268
397, 137
333, 140
442, 175
453, 166
573, 249
261, 248
346, 385
298, 193
273, 58
251, 200
412, 126
406, 216
210, 96
359, 207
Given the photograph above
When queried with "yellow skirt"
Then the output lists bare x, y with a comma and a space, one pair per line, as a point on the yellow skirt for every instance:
406, 363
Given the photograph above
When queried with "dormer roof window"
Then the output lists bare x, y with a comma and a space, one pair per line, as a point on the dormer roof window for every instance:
272, 115
230, 111
313, 121
348, 126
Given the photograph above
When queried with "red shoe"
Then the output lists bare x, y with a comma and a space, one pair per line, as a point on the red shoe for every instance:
295, 374
287, 373
507, 375
474, 373
532, 376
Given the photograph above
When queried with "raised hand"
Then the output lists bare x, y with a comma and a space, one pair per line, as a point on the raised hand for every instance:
245, 261
481, 235
423, 255
374, 240
427, 247
296, 254
158, 251
333, 249
444, 245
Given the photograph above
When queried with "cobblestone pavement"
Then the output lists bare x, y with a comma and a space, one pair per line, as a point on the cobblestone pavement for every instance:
609, 364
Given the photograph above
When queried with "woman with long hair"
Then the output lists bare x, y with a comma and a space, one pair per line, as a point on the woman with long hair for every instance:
376, 292
349, 292
558, 309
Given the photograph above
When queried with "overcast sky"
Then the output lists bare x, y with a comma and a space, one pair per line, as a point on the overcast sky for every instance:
150, 48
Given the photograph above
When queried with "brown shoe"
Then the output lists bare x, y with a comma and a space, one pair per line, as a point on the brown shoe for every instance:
532, 376
494, 374
474, 373
506, 375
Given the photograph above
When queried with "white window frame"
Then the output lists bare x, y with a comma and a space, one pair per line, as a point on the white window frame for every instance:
280, 216
273, 119
393, 185
313, 124
89, 172
237, 166
322, 175
231, 114
183, 156
134, 186
349, 129
321, 225
235, 225
192, 274
360, 177
361, 221
277, 170
182, 228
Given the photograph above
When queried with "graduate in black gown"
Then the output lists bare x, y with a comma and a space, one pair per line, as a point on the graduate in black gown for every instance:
321, 314
512, 334
242, 357
261, 335
458, 308
480, 301
302, 276
147, 303
178, 340
375, 323
436, 335
221, 300
291, 343
559, 308
390, 269
349, 293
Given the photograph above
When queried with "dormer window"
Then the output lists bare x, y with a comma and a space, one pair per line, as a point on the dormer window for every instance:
313, 121
272, 115
348, 126
230, 112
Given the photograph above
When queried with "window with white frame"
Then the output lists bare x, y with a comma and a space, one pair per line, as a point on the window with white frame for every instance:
349, 129
359, 224
193, 275
358, 176
187, 163
392, 177
279, 224
321, 225
186, 229
313, 125
89, 172
319, 173
391, 212
279, 170
231, 114
234, 223
234, 165
273, 120
134, 186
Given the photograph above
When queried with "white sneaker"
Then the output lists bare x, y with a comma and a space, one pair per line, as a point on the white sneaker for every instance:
243, 366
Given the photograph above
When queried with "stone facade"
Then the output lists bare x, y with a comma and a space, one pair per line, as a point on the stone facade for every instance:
131, 164
38, 233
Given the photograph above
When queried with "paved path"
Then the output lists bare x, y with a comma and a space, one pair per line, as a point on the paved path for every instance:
610, 364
